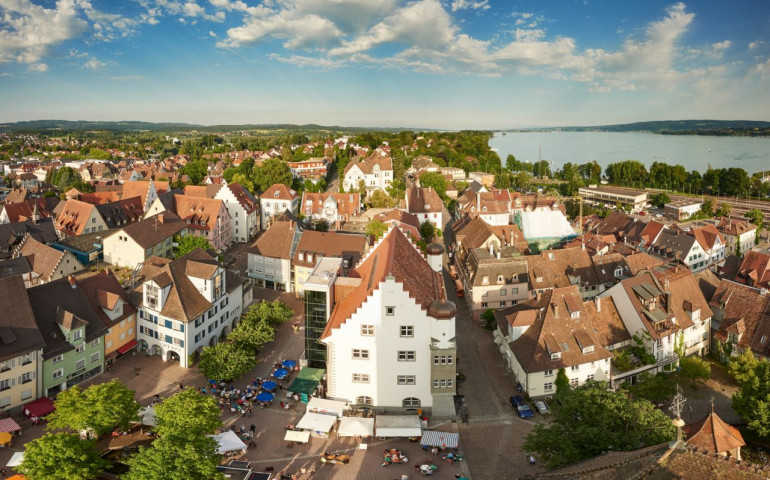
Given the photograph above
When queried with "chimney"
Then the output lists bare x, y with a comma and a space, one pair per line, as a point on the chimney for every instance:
555, 307
160, 217
598, 302
498, 254
491, 249
71, 280
538, 295
478, 203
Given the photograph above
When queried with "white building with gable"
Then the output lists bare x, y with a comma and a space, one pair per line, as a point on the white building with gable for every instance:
391, 339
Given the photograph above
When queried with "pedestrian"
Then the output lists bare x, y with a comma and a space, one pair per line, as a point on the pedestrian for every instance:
181, 386
252, 429
531, 460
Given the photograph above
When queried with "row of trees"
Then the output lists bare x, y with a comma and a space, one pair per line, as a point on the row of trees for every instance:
231, 359
752, 400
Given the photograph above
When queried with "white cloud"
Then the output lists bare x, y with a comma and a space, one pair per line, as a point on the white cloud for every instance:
212, 34
28, 32
190, 9
756, 44
126, 78
721, 45
304, 61
470, 5
38, 67
94, 64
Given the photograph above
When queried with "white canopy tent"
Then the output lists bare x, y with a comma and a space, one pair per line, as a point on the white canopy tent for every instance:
398, 426
355, 426
317, 422
439, 439
15, 460
147, 416
295, 436
229, 442
326, 407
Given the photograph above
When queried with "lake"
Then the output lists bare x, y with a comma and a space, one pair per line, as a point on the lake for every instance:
693, 152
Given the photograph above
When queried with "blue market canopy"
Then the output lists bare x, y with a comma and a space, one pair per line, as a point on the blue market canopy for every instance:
265, 397
280, 373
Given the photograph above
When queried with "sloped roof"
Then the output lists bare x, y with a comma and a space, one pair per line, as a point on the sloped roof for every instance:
43, 259
248, 201
555, 331
367, 164
103, 291
713, 435
278, 191
73, 216
347, 203
328, 244
121, 212
198, 210
423, 200
154, 230
748, 306
754, 269
140, 188
23, 211
641, 261
42, 231
19, 333
206, 191
394, 255
553, 268
277, 240
707, 236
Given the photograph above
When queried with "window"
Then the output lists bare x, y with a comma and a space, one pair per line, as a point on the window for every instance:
575, 368
406, 356
364, 400
5, 366
405, 380
77, 334
411, 402
151, 292
26, 359
80, 348
360, 378
574, 315
407, 331
26, 394
80, 364
573, 382
27, 377
548, 373
590, 377
94, 357
502, 304
503, 292
5, 385
390, 311
548, 387
367, 330
5, 401
58, 373
57, 359
360, 354
483, 304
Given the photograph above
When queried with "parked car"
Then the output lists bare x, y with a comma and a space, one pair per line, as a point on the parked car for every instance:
542, 407
521, 406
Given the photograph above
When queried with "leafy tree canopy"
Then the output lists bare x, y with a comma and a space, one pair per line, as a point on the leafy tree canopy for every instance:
187, 417
591, 420
55, 456
756, 217
98, 409
694, 368
752, 400
176, 462
271, 172
376, 228
226, 361
188, 243
427, 231
436, 181
660, 199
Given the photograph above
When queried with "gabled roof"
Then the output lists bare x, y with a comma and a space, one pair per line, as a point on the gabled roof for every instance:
641, 261
153, 230
42, 258
184, 302
278, 191
49, 303
19, 333
23, 211
347, 203
674, 243
73, 216
199, 213
423, 200
328, 244
554, 267
12, 233
248, 201
122, 212
707, 236
278, 239
366, 165
745, 306
140, 188
734, 226
555, 331
208, 190
396, 256
754, 269
713, 435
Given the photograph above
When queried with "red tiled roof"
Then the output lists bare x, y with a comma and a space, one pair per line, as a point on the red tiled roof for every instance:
713, 435
347, 203
279, 191
394, 255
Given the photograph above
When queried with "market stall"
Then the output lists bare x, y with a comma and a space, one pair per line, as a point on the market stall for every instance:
9, 425
356, 427
15, 460
403, 426
318, 424
295, 436
306, 382
432, 438
228, 442
326, 407
38, 409
147, 416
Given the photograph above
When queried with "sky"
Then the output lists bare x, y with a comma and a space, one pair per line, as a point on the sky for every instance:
446, 64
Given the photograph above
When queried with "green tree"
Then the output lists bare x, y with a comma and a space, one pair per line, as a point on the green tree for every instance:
257, 326
196, 170
226, 361
694, 368
436, 181
707, 208
376, 228
188, 243
654, 388
380, 199
752, 400
175, 462
511, 164
97, 410
187, 416
522, 180
427, 230
591, 420
724, 209
55, 456
562, 382
660, 199
756, 217
489, 319
272, 171
626, 172
591, 171
542, 169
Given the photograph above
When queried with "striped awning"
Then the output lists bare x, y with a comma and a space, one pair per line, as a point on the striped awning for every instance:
439, 439
9, 425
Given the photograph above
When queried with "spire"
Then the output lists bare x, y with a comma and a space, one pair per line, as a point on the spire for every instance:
677, 404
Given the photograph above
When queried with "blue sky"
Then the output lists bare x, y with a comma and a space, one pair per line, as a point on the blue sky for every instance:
421, 63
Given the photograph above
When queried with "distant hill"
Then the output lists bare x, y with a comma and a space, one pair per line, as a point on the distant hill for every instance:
675, 127
136, 126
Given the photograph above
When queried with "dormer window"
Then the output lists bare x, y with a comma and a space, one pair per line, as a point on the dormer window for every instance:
485, 280
500, 279
618, 272
588, 349
550, 256
555, 355
575, 314
276, 194
301, 257
309, 257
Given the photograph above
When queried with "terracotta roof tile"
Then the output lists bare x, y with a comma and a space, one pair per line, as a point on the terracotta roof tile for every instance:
713, 435
279, 191
348, 204
200, 213
423, 200
277, 240
328, 244
43, 259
